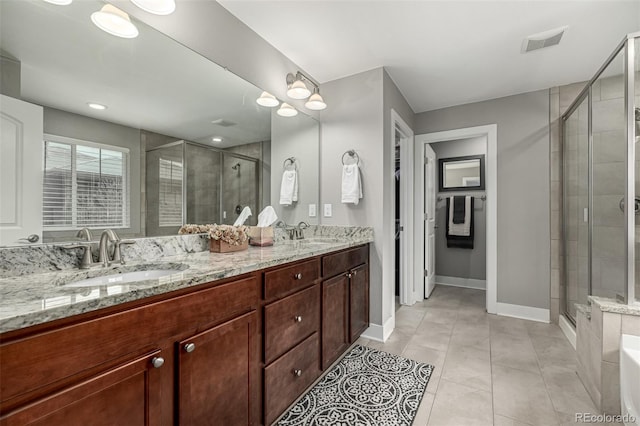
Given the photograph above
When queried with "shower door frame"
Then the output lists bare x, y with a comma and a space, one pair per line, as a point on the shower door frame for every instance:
628, 46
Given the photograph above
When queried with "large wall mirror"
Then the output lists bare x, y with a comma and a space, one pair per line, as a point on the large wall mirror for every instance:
179, 140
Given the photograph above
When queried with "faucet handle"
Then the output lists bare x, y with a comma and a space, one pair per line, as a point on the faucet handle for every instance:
117, 253
84, 233
87, 259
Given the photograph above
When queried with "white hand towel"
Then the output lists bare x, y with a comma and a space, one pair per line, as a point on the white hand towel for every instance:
289, 187
351, 184
461, 229
244, 215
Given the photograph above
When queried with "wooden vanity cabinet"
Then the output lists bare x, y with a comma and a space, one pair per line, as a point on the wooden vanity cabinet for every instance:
124, 365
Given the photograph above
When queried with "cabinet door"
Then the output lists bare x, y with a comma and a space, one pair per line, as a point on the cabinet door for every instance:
335, 318
129, 394
359, 301
218, 373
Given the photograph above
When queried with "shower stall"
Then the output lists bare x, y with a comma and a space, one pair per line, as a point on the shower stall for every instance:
601, 184
192, 183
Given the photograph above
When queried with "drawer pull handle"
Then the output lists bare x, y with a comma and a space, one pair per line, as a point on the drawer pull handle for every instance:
157, 361
297, 373
297, 318
298, 276
190, 347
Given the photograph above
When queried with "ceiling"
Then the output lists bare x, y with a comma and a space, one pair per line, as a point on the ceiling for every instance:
443, 53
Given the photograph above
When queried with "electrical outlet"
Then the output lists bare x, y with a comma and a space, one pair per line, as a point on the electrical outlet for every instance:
224, 214
327, 210
312, 210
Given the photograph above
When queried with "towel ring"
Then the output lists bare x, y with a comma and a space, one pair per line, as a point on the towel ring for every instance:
292, 162
353, 154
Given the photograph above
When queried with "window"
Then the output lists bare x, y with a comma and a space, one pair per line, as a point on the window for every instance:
170, 208
85, 185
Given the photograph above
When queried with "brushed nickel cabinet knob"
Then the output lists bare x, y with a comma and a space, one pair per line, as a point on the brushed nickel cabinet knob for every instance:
190, 347
298, 276
297, 373
157, 361
298, 318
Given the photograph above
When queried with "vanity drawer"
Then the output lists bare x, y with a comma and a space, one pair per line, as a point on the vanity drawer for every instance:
289, 376
287, 280
48, 360
338, 263
288, 321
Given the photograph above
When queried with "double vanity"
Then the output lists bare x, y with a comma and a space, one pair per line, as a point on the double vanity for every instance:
186, 337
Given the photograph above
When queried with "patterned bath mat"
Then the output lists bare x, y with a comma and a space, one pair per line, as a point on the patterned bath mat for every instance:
366, 388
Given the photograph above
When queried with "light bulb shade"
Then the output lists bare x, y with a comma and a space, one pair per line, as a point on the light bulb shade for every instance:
298, 90
266, 99
315, 102
114, 21
287, 110
60, 2
157, 7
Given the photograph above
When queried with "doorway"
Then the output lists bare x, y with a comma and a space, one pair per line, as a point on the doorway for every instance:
490, 203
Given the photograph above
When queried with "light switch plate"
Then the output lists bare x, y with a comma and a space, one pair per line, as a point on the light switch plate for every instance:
312, 210
327, 210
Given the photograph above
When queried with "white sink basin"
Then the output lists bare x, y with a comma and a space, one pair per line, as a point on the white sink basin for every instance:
127, 277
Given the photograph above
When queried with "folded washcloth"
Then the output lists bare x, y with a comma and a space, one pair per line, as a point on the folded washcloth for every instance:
244, 215
351, 184
289, 187
461, 229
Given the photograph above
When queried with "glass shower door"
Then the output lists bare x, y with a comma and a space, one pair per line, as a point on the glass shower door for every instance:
240, 188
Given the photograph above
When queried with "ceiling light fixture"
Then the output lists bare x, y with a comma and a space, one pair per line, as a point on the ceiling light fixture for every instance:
60, 2
287, 110
96, 106
114, 21
217, 139
297, 89
157, 7
266, 99
315, 102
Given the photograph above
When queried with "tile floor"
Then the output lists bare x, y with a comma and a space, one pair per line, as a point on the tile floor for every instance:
489, 370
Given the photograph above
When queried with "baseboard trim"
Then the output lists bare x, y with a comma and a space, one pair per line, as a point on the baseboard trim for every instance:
461, 282
523, 312
568, 330
380, 333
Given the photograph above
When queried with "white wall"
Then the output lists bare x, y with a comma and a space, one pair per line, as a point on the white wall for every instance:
523, 188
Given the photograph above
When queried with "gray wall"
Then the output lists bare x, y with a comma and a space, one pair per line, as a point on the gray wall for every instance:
295, 137
10, 77
354, 121
457, 262
523, 187
62, 123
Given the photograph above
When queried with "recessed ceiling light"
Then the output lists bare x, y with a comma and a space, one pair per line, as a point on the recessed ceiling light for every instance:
158, 7
217, 139
114, 21
287, 110
60, 2
96, 106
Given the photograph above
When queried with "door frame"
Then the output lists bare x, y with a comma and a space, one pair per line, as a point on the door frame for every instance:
408, 291
489, 131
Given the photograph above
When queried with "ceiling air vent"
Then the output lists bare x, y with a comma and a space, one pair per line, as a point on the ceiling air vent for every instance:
543, 39
223, 122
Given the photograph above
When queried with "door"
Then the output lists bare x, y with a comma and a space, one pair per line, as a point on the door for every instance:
358, 301
335, 318
21, 165
429, 219
129, 394
218, 371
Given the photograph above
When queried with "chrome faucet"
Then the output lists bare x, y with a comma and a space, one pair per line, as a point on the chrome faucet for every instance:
106, 237
299, 230
84, 234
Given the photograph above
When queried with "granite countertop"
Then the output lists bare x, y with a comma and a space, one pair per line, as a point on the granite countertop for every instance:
611, 305
32, 299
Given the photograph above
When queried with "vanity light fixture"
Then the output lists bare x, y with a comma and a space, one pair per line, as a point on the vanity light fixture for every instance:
297, 89
60, 2
114, 21
96, 106
266, 99
315, 102
157, 7
287, 110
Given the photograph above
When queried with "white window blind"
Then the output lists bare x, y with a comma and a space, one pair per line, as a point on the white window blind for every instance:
85, 185
170, 206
